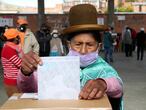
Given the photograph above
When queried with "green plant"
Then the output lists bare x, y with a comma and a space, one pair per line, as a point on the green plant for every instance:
131, 0
124, 9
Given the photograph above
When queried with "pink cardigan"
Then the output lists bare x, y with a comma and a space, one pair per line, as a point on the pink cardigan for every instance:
28, 84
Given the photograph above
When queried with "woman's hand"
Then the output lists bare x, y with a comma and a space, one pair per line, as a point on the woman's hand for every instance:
93, 89
30, 62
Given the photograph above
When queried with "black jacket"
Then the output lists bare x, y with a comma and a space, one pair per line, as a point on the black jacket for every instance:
43, 39
140, 38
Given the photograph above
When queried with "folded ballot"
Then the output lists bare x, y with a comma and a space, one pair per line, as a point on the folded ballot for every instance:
59, 78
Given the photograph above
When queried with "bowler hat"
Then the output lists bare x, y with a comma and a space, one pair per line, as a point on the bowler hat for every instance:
83, 17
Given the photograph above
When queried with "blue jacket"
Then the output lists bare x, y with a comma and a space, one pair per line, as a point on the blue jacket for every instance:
107, 40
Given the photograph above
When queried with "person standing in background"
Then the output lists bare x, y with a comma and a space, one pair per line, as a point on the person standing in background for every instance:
127, 40
28, 40
11, 60
43, 37
56, 47
133, 35
108, 46
140, 39
2, 31
1, 45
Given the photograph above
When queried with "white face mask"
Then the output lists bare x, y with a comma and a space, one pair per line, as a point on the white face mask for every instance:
128, 30
55, 35
86, 59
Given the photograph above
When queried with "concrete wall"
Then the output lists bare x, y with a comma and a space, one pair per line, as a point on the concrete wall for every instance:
60, 21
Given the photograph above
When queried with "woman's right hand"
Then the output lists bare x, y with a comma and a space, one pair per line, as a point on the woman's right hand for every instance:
30, 62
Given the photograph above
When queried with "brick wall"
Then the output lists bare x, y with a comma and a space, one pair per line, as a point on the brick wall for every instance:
135, 21
60, 21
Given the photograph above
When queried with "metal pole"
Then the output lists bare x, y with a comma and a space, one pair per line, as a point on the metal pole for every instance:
41, 15
110, 17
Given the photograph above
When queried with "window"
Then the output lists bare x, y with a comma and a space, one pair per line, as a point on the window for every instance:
18, 6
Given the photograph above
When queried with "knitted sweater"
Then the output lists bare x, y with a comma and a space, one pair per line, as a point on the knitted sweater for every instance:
11, 62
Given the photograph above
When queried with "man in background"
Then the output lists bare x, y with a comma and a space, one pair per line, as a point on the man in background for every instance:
28, 40
127, 40
140, 39
108, 45
43, 37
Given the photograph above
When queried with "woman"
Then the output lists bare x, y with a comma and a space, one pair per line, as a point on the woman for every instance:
11, 60
97, 77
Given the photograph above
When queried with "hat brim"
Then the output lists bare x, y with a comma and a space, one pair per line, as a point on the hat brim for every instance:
88, 27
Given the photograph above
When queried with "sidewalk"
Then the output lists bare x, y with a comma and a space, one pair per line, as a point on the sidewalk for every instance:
133, 73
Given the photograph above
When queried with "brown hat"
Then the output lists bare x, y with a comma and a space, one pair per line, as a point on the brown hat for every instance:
83, 17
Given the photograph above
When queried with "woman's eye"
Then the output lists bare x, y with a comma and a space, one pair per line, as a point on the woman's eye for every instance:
77, 44
90, 44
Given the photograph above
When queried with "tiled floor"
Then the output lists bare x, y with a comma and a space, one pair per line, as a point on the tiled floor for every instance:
132, 72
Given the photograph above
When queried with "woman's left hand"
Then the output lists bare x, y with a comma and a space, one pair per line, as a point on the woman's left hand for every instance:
93, 89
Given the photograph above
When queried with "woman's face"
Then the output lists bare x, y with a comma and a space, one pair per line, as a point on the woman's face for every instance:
83, 43
17, 40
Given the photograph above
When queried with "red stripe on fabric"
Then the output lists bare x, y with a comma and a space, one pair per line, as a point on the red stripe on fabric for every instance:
10, 81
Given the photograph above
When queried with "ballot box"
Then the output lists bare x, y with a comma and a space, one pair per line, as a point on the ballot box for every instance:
30, 102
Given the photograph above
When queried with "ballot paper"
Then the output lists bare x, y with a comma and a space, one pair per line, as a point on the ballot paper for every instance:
29, 96
59, 78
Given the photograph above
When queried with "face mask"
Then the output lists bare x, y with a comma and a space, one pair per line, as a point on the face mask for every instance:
18, 41
55, 35
128, 30
22, 28
44, 29
86, 59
